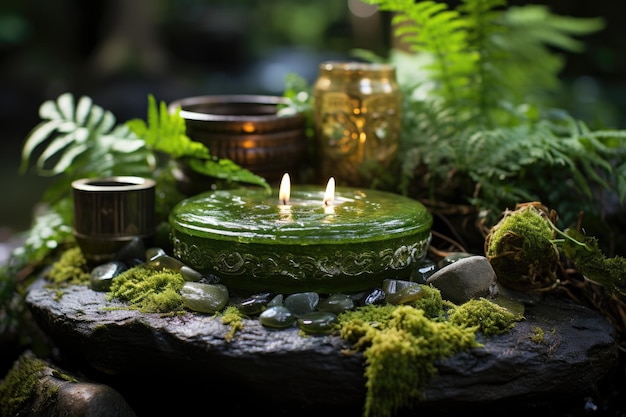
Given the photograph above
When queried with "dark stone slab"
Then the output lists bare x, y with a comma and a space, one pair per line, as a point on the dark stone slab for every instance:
184, 363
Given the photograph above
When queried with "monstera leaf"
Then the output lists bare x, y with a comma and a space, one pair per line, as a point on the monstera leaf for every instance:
83, 140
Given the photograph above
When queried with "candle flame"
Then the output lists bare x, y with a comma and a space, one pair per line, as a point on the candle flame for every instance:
285, 189
329, 195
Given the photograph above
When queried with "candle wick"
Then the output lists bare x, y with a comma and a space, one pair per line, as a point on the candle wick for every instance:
284, 200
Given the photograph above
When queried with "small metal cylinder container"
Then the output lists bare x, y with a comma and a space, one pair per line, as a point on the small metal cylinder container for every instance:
111, 211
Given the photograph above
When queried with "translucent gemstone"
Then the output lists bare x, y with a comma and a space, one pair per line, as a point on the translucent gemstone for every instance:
276, 301
277, 317
336, 304
317, 322
423, 271
162, 262
102, 275
392, 286
152, 253
375, 296
406, 295
254, 304
205, 298
302, 302
190, 274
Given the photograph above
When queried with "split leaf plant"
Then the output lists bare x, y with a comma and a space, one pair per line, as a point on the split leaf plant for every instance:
82, 140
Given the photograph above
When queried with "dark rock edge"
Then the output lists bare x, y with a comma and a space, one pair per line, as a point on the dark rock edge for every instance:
183, 364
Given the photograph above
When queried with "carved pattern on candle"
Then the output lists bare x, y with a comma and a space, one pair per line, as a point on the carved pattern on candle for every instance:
238, 263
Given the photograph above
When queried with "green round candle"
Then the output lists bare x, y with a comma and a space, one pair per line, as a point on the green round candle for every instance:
255, 242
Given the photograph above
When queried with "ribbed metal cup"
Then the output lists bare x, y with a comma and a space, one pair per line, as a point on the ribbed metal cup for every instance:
111, 211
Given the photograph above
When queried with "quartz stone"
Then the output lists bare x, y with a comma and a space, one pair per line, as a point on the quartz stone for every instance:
392, 286
277, 317
302, 302
255, 304
152, 253
423, 271
162, 262
204, 298
336, 303
468, 278
278, 300
317, 322
375, 296
102, 275
406, 295
190, 274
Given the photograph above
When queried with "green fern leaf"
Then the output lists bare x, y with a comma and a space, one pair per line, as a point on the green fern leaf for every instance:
475, 93
226, 169
166, 132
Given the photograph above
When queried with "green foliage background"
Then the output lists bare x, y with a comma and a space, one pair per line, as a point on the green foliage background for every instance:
479, 125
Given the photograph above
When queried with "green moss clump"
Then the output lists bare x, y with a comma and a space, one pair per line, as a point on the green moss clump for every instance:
522, 251
528, 223
400, 344
484, 316
70, 268
358, 326
594, 264
431, 302
537, 335
232, 316
148, 290
17, 391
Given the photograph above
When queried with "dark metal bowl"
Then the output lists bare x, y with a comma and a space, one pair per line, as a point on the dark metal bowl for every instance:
247, 130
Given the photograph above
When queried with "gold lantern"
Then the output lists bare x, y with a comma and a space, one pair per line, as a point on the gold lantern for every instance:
357, 118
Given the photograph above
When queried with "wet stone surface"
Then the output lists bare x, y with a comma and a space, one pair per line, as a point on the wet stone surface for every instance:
279, 371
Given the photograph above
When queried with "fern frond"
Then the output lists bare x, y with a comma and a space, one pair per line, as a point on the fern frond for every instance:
165, 132
531, 32
559, 149
484, 63
226, 169
545, 27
